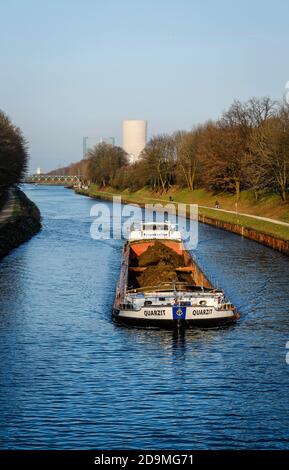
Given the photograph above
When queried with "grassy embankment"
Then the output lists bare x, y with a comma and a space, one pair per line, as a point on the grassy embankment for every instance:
269, 205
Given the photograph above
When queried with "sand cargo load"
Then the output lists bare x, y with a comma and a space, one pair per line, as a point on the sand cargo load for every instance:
161, 285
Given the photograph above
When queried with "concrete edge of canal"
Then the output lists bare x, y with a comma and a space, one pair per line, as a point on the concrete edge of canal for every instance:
21, 221
259, 237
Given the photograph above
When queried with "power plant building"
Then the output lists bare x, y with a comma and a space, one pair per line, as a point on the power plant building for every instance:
134, 138
90, 142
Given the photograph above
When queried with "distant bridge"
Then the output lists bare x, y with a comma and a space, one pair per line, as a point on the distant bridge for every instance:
53, 179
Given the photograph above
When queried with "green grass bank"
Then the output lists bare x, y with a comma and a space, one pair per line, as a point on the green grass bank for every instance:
271, 234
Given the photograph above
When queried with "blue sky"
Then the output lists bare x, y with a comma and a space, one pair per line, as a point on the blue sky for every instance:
74, 68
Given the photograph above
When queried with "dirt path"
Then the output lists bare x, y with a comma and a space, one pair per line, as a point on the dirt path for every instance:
266, 219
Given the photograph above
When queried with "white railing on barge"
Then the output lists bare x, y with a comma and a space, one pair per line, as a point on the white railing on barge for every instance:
154, 230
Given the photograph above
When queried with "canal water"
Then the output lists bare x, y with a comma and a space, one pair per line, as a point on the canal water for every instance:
71, 378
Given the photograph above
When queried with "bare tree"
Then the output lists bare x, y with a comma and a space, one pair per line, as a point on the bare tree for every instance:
270, 145
222, 157
103, 162
260, 109
13, 153
160, 158
187, 155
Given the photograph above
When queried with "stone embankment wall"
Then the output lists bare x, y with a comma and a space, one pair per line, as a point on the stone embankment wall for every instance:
268, 240
21, 225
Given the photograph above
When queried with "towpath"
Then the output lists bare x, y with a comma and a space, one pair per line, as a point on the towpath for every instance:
266, 219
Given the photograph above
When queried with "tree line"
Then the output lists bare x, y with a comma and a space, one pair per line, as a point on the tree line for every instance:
246, 148
13, 154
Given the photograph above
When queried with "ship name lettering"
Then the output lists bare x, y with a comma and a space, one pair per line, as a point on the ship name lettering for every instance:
149, 313
205, 311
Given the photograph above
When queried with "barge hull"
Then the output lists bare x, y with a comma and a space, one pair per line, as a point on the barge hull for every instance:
173, 324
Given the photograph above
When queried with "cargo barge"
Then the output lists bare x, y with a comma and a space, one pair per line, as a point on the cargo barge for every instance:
161, 285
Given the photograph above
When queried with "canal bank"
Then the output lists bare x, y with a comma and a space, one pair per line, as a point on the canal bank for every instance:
19, 220
266, 232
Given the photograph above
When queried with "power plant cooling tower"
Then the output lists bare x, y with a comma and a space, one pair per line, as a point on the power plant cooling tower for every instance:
134, 137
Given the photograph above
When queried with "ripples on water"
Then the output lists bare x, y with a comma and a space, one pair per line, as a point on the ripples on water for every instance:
71, 378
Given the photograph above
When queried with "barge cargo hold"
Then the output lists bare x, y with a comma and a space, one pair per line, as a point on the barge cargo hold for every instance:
180, 295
